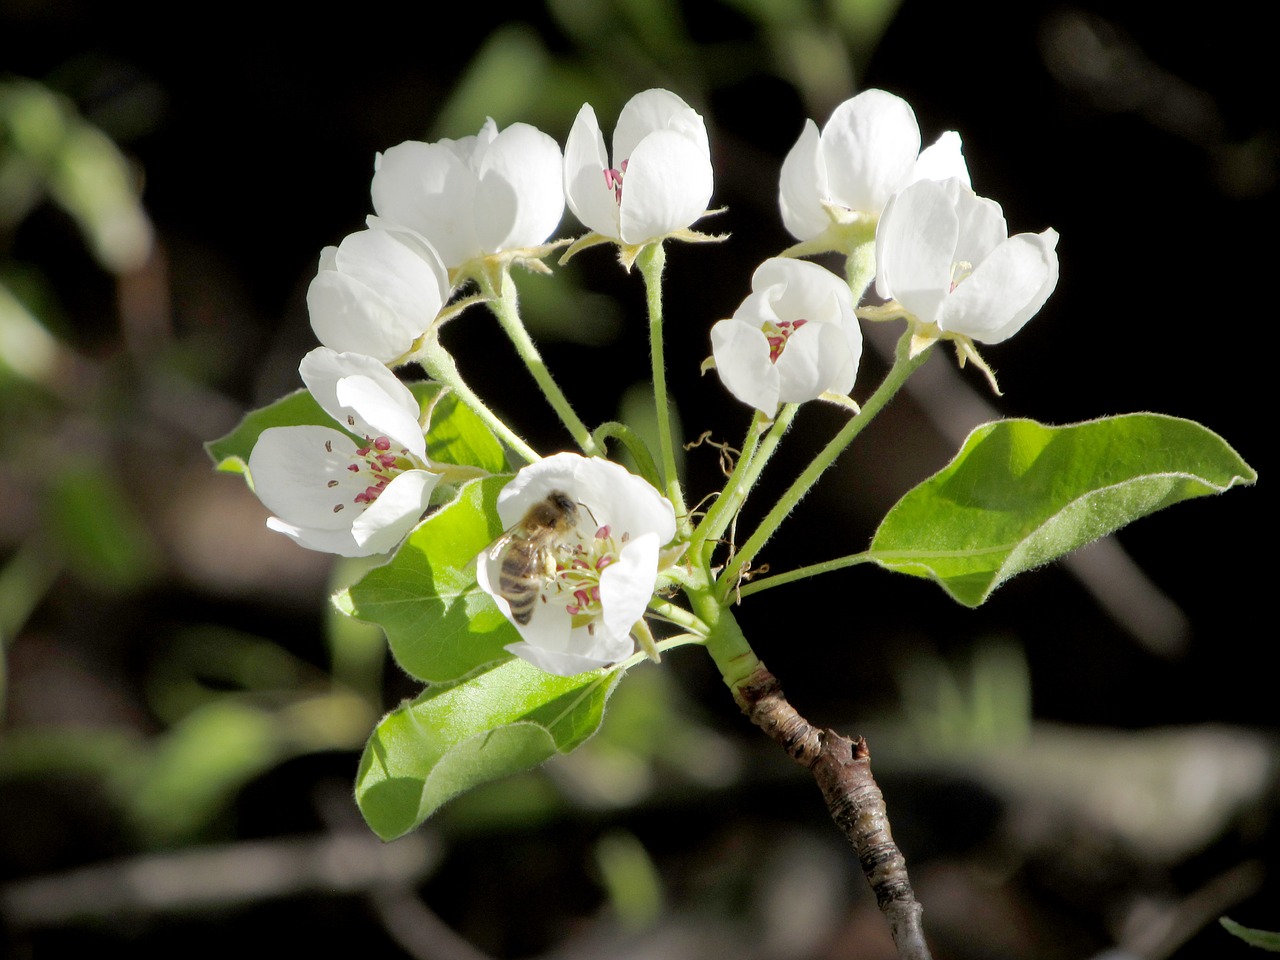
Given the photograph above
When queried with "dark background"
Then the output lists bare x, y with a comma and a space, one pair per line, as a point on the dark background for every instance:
1149, 143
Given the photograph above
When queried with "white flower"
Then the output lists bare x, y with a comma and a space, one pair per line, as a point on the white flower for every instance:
477, 196
376, 293
946, 256
660, 179
605, 567
793, 339
867, 152
335, 494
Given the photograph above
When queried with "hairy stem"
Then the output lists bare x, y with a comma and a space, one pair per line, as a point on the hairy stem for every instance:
651, 261
506, 308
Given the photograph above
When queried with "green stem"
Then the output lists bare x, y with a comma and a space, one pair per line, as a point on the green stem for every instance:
651, 261
635, 446
800, 573
726, 642
506, 308
746, 472
904, 365
435, 359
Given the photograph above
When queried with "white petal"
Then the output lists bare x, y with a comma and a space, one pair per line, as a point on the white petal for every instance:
376, 293
587, 193
322, 368
915, 241
666, 187
981, 224
612, 495
871, 144
1006, 290
399, 506
551, 643
340, 542
810, 362
560, 664
624, 502
804, 291
626, 587
300, 473
802, 186
431, 188
742, 362
653, 110
521, 195
942, 161
371, 406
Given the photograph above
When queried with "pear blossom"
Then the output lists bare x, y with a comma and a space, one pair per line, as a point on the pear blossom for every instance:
476, 197
659, 179
794, 338
867, 152
946, 256
377, 292
330, 492
605, 567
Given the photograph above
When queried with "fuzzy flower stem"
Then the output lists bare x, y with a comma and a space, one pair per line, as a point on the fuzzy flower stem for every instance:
651, 261
903, 367
439, 365
505, 306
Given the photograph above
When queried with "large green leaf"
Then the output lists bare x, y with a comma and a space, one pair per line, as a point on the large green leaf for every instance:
507, 718
440, 624
1020, 494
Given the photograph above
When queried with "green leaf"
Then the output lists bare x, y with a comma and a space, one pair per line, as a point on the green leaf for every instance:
231, 453
1266, 939
457, 435
1020, 494
507, 718
439, 623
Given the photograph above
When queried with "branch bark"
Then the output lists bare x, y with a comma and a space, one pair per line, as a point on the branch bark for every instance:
842, 769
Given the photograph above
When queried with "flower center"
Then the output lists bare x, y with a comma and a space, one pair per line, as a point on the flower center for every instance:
778, 334
578, 570
613, 180
960, 270
375, 463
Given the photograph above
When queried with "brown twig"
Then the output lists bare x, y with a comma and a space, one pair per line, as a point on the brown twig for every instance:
842, 769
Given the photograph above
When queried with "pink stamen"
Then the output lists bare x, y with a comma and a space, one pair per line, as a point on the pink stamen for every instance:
382, 443
603, 533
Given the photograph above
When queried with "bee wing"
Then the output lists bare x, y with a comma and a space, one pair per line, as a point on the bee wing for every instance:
497, 546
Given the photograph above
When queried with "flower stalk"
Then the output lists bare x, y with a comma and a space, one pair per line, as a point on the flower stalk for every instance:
505, 306
904, 365
652, 260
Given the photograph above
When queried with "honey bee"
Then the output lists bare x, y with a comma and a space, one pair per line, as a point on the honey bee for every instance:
527, 552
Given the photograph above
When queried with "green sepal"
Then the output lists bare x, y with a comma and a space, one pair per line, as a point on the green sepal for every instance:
1020, 494
441, 626
507, 718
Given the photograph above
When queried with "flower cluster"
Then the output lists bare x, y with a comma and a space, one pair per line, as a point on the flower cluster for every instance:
576, 570
943, 254
445, 213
